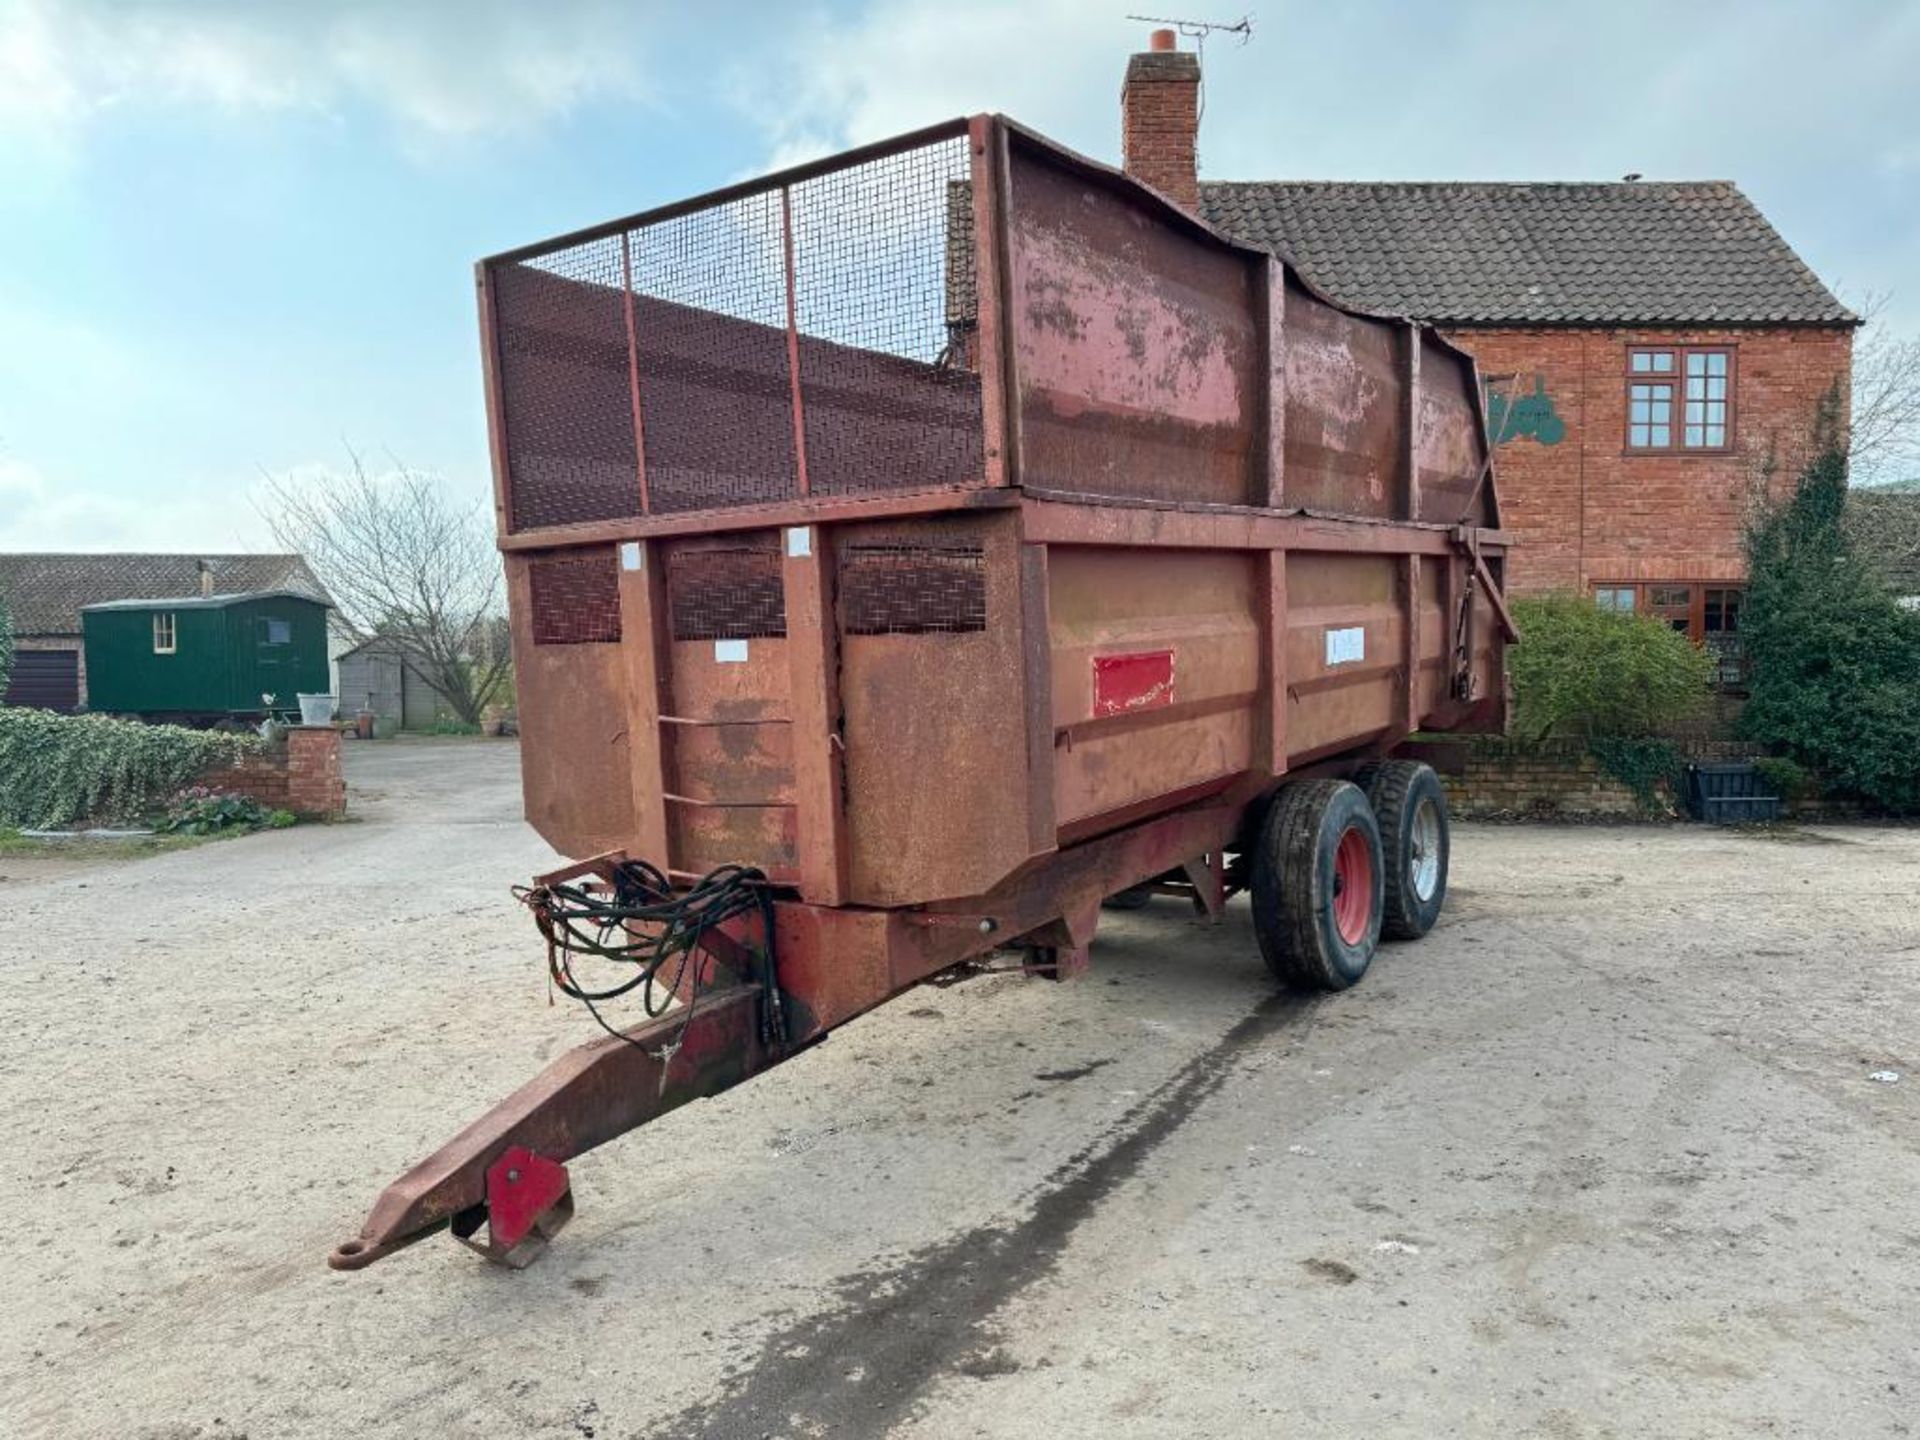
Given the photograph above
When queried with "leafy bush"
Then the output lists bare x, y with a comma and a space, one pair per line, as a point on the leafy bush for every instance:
1581, 670
1834, 660
448, 727
199, 810
1786, 777
56, 769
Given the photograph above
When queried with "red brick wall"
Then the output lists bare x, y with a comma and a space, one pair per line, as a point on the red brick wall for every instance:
1159, 120
265, 779
316, 784
305, 776
1584, 510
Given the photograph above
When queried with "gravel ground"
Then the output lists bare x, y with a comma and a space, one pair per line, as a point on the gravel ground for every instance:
1599, 1157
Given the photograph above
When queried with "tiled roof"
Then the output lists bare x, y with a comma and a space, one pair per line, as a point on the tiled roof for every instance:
1631, 252
1884, 525
45, 592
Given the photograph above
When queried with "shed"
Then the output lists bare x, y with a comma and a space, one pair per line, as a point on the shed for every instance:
205, 657
376, 676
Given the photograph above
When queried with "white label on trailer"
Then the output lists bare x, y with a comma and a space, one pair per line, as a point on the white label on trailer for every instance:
799, 541
730, 652
1346, 646
630, 555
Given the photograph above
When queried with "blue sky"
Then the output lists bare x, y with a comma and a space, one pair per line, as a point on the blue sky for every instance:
237, 235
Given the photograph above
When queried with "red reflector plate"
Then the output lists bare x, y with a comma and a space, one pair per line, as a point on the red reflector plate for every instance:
1123, 684
521, 1187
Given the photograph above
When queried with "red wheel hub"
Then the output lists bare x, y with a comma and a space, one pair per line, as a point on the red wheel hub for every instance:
1352, 886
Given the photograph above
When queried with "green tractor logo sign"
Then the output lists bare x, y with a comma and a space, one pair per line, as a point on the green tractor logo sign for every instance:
1511, 415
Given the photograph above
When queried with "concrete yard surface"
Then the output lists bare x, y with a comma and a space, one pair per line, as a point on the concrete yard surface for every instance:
1602, 1156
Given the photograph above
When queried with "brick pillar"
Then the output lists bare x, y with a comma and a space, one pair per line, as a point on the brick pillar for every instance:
1160, 120
316, 785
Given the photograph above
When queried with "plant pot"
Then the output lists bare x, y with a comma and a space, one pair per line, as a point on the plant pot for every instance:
316, 709
363, 725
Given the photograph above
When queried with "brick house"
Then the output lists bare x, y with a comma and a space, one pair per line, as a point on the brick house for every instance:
1652, 350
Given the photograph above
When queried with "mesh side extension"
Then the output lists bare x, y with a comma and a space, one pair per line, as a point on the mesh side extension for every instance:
726, 592
657, 370
575, 599
903, 588
884, 299
566, 400
716, 391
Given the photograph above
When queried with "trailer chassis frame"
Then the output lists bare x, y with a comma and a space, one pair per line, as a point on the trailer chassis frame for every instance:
506, 1171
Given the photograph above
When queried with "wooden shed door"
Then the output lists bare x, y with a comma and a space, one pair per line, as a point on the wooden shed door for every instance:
45, 680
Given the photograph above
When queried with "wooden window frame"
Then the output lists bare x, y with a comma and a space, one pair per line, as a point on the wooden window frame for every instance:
172, 624
1676, 382
1696, 630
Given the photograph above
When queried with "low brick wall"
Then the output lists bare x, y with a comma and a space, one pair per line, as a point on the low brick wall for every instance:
265, 779
1489, 778
302, 774
1543, 780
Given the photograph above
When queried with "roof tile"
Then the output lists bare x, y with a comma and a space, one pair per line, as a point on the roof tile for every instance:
45, 592
1624, 253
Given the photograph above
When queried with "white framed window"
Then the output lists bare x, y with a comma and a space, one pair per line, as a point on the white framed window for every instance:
163, 633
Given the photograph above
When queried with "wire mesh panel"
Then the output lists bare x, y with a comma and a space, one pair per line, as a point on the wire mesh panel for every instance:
575, 598
908, 586
727, 591
716, 391
818, 336
884, 298
566, 403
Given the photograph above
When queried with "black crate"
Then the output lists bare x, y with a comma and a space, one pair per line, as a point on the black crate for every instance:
1729, 793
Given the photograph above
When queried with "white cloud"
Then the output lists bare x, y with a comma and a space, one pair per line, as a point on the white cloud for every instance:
443, 69
39, 513
900, 64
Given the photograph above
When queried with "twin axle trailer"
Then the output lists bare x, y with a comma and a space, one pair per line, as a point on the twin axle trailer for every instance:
908, 553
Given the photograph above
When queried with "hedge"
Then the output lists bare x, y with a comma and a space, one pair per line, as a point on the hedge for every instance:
1581, 670
1834, 659
58, 769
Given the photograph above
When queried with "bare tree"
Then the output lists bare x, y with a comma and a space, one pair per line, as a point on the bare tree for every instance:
407, 564
1885, 434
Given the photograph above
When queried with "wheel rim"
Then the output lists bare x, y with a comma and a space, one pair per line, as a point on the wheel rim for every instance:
1352, 886
1423, 850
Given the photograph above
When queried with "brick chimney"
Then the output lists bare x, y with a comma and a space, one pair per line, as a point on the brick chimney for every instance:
1160, 119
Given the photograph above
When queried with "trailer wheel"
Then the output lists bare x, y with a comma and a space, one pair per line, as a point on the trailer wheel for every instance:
1317, 885
1410, 807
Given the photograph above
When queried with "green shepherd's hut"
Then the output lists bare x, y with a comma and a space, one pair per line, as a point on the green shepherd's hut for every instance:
203, 659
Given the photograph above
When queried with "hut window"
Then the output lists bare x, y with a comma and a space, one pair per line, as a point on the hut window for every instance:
277, 632
163, 634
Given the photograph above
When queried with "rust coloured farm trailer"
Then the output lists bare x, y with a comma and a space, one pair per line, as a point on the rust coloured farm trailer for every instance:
909, 552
